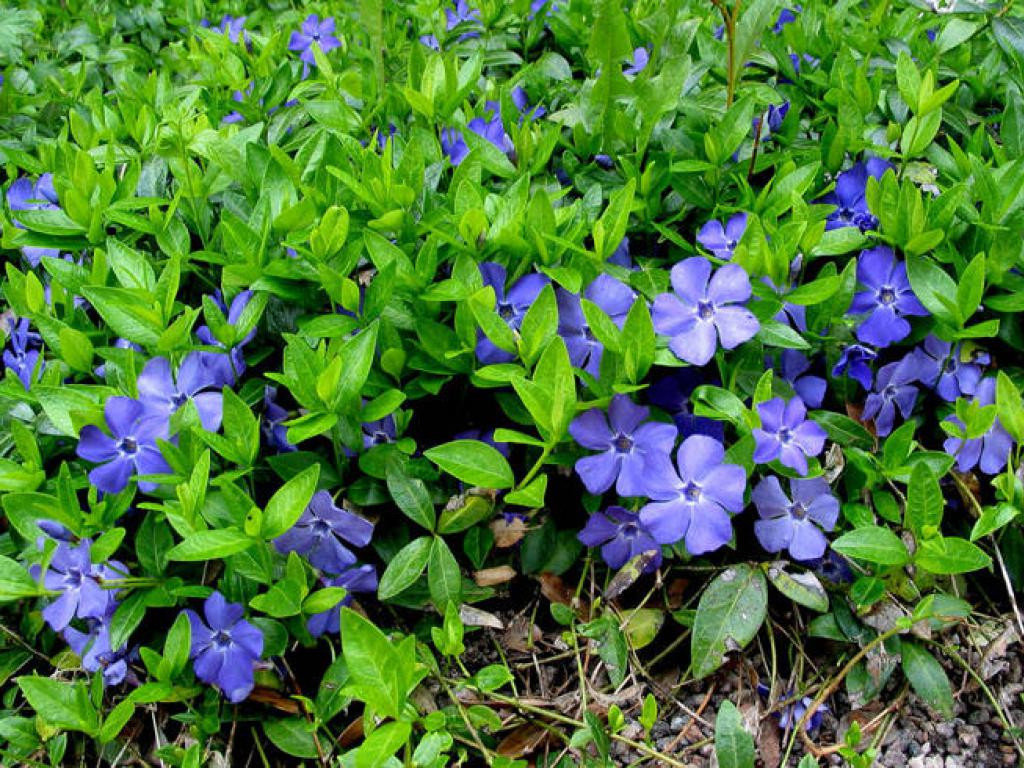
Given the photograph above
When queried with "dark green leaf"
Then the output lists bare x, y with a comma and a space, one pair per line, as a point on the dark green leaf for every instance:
730, 612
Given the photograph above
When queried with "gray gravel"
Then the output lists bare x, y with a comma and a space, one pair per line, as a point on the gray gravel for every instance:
917, 738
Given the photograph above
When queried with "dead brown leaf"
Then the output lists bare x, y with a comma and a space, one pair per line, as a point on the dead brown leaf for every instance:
676, 592
508, 533
352, 734
274, 699
522, 741
474, 617
994, 638
556, 590
489, 577
521, 636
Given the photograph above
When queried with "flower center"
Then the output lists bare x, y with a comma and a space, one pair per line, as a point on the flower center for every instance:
785, 435
950, 365
73, 577
889, 392
691, 492
705, 310
887, 295
629, 531
321, 528
506, 311
380, 438
222, 639
589, 334
798, 511
731, 244
129, 445
866, 221
179, 399
623, 443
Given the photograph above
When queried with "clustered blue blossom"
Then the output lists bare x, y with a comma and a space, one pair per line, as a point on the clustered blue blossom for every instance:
225, 647
135, 425
84, 593
22, 354
671, 464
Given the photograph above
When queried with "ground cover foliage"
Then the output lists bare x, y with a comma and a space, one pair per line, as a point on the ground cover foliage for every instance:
428, 384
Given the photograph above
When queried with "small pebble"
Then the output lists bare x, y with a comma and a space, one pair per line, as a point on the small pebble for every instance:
978, 716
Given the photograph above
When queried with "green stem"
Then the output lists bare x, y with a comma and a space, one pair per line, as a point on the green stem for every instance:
536, 467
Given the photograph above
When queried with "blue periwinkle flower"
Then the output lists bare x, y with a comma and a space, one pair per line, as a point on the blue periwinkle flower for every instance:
162, 393
460, 13
721, 240
704, 310
620, 256
793, 708
638, 63
491, 127
627, 444
951, 371
621, 536
93, 648
771, 120
692, 500
990, 452
787, 434
511, 307
232, 26
358, 578
848, 196
313, 34
786, 16
231, 364
129, 449
888, 299
854, 361
79, 584
793, 369
321, 532
795, 525
893, 390
26, 195
275, 433
379, 432
224, 647
22, 356
613, 297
